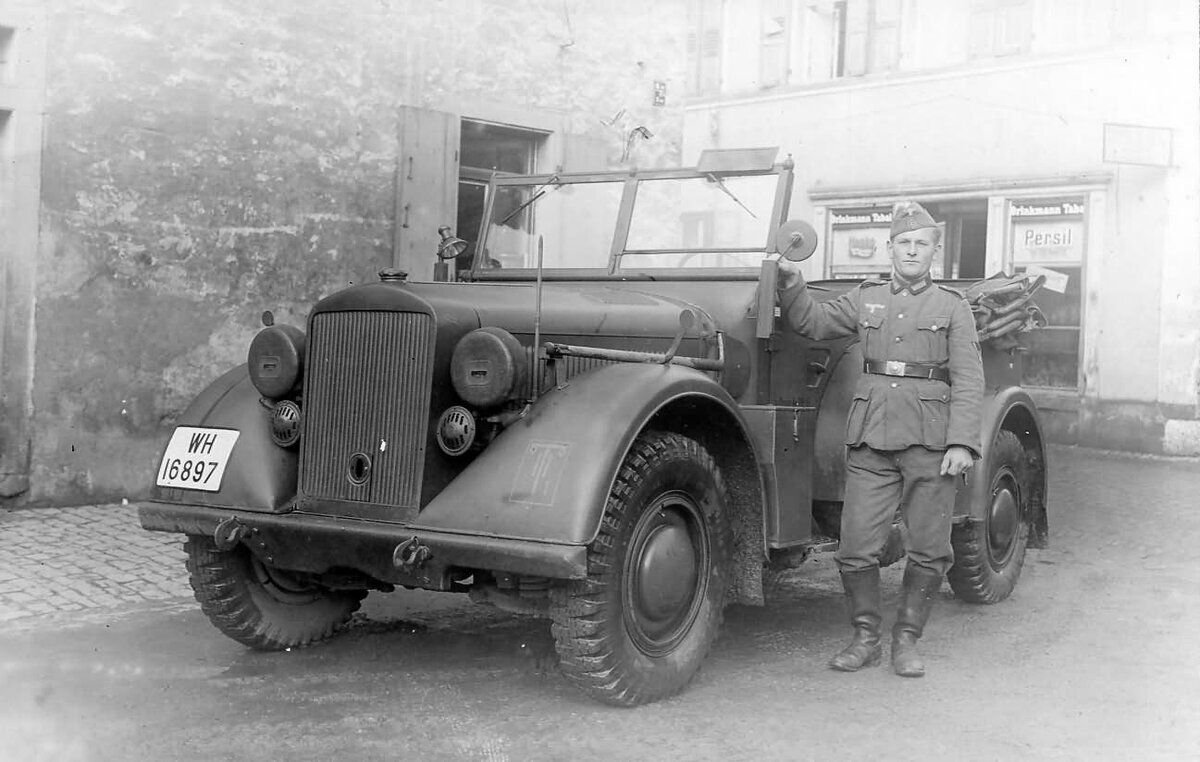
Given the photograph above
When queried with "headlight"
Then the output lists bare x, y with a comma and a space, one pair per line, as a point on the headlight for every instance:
488, 367
276, 358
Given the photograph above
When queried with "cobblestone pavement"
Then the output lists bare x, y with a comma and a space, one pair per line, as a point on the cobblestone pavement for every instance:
78, 560
85, 560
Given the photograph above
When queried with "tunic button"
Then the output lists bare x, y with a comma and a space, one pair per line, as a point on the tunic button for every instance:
899, 338
900, 315
894, 384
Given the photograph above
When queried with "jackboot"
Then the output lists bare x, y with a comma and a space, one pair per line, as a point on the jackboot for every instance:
862, 596
916, 601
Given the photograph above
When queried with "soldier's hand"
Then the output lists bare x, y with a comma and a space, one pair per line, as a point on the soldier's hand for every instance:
957, 460
789, 274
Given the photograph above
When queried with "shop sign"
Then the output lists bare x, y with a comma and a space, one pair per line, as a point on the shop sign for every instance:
1047, 208
860, 217
1049, 230
858, 241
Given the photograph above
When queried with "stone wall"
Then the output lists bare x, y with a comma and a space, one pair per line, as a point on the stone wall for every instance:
204, 160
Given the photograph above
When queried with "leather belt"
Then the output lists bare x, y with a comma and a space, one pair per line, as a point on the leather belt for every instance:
910, 369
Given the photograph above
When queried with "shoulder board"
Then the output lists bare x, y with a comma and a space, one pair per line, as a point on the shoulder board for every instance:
954, 291
874, 282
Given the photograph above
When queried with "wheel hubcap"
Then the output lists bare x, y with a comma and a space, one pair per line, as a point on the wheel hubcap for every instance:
1004, 516
665, 573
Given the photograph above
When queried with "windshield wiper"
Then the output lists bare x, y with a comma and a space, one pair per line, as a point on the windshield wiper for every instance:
541, 191
721, 184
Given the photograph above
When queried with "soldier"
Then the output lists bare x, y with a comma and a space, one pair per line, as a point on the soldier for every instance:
913, 427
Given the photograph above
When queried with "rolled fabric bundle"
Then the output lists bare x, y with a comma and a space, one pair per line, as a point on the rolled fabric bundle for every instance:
1002, 306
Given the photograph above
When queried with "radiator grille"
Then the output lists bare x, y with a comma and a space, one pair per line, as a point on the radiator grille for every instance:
366, 392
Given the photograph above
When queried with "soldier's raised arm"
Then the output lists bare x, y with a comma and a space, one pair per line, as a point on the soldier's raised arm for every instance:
806, 316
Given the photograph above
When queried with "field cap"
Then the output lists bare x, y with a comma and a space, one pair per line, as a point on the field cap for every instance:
908, 216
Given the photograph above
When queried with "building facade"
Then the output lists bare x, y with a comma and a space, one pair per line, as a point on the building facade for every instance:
173, 168
1059, 137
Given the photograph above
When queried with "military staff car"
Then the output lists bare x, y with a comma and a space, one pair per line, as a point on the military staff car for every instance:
597, 418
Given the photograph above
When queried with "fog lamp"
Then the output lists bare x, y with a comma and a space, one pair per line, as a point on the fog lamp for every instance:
285, 423
456, 430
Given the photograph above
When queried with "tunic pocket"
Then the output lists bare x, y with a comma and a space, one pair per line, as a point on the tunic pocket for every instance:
869, 326
935, 417
856, 419
933, 330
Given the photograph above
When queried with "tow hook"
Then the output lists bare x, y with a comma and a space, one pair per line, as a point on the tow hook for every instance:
411, 554
229, 533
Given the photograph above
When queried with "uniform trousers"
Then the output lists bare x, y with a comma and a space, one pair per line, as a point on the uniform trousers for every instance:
880, 481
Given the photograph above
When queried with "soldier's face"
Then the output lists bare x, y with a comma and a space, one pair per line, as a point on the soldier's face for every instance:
913, 252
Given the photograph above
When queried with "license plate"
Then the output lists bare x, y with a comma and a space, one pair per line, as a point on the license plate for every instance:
195, 458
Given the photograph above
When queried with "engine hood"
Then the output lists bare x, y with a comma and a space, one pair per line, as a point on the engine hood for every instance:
567, 309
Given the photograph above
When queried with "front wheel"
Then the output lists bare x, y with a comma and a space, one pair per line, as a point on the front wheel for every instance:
260, 606
639, 626
989, 553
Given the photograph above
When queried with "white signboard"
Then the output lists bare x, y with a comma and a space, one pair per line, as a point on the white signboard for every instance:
860, 250
1136, 144
1055, 281
1047, 231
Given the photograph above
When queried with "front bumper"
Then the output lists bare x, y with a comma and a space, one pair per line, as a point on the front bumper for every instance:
320, 544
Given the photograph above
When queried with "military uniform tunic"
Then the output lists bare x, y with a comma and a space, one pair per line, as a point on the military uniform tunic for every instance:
898, 427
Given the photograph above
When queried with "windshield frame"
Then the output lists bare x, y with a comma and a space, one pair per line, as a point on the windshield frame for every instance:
630, 180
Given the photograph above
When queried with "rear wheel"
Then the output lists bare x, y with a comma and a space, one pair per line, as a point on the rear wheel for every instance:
639, 627
989, 554
261, 606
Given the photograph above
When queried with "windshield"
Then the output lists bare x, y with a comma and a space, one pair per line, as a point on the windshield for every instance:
700, 222
575, 221
675, 222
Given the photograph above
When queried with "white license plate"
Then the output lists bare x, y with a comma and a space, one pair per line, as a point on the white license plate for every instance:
195, 458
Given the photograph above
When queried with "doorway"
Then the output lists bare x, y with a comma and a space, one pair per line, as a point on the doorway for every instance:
965, 249
485, 149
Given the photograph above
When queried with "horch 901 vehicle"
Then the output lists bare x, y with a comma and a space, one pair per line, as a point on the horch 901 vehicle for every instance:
601, 420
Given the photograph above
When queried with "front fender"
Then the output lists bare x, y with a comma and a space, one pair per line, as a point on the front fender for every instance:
547, 477
260, 476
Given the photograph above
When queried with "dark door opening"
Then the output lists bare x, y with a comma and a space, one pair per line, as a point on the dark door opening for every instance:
486, 149
966, 236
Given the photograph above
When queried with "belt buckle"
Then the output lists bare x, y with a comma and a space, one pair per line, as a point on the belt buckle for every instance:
893, 368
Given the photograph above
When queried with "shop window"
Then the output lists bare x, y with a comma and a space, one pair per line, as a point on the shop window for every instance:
1000, 28
486, 148
773, 44
1048, 235
704, 47
858, 240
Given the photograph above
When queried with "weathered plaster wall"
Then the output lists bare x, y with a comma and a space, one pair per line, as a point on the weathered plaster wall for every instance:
205, 160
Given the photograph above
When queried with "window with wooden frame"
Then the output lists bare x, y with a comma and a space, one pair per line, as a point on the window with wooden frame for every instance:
1049, 234
1000, 28
872, 37
704, 47
774, 43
